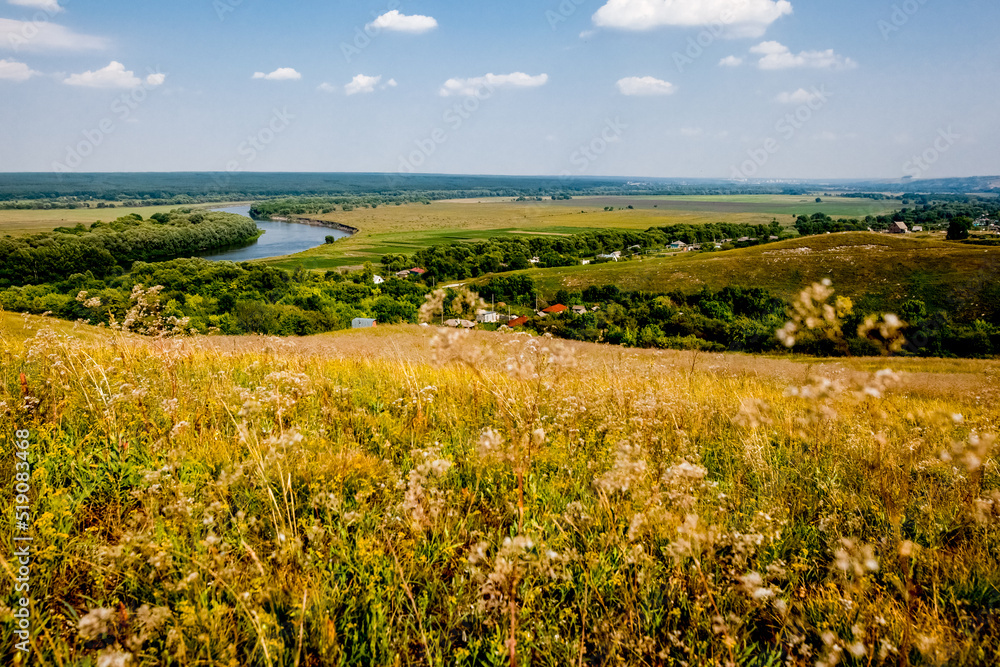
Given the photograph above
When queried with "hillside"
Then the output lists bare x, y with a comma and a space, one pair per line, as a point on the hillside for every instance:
876, 267
357, 497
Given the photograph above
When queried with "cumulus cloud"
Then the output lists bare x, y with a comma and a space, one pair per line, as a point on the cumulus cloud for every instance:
742, 18
15, 71
44, 36
645, 85
50, 6
362, 84
280, 74
113, 76
326, 88
731, 61
800, 96
775, 55
394, 21
489, 82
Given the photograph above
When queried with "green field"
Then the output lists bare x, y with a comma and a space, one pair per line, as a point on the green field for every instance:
877, 266
406, 229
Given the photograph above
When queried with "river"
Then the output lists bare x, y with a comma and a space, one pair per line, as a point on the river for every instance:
279, 239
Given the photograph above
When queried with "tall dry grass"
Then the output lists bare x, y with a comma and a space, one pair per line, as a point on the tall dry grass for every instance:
492, 501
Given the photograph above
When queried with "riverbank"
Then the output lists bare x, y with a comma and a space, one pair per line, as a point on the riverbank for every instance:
312, 222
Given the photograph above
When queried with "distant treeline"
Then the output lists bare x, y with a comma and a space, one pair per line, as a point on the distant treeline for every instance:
107, 248
935, 215
459, 261
189, 188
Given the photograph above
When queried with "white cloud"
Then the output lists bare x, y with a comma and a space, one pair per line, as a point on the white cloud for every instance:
362, 84
113, 76
326, 88
800, 96
50, 6
15, 71
775, 55
692, 132
395, 22
475, 85
731, 61
44, 36
645, 85
741, 18
280, 74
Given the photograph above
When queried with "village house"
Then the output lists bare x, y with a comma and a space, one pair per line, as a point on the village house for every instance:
917, 228
555, 310
579, 310
363, 323
898, 228
454, 324
517, 322
378, 280
678, 245
488, 317
403, 274
614, 256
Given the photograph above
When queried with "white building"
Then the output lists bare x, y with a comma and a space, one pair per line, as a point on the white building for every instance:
378, 280
488, 317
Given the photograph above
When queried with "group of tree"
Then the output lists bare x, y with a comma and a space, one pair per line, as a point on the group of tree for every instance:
230, 298
746, 319
105, 249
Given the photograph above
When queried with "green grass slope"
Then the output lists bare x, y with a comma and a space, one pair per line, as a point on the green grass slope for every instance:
877, 267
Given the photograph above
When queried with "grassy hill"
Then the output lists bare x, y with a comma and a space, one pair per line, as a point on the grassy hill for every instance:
876, 267
403, 496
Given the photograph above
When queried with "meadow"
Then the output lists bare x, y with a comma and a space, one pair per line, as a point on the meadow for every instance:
408, 228
405, 496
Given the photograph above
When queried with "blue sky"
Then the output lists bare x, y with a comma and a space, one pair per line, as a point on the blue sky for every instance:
807, 89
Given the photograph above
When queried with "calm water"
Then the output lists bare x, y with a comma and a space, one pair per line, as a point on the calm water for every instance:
280, 238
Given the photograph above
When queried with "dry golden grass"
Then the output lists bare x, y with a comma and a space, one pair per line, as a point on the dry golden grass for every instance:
407, 496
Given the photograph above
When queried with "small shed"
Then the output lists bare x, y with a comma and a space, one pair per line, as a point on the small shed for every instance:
363, 323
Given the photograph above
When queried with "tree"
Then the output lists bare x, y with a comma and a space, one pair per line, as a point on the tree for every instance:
331, 239
959, 228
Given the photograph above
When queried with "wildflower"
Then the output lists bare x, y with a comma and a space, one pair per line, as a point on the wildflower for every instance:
95, 623
114, 658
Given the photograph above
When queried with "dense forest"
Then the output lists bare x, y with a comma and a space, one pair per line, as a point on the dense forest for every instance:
104, 249
67, 189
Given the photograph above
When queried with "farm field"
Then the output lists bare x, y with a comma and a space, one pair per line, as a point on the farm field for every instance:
405, 229
28, 222
356, 497
860, 264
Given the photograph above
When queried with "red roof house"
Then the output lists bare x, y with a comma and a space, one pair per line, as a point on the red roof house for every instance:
418, 271
556, 309
518, 322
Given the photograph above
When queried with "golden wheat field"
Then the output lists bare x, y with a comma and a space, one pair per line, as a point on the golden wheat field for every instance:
414, 497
